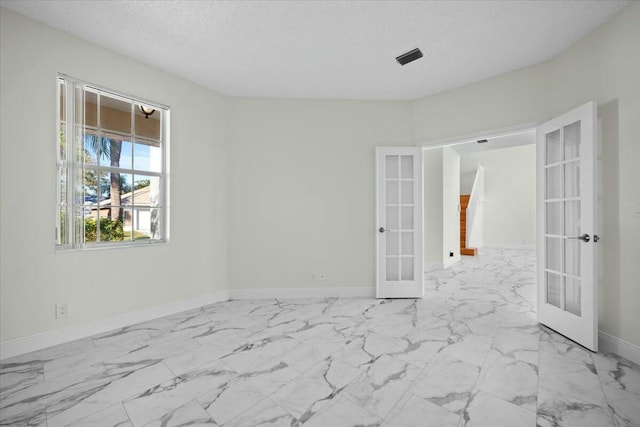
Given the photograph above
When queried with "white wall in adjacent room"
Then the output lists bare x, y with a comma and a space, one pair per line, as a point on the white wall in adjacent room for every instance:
509, 214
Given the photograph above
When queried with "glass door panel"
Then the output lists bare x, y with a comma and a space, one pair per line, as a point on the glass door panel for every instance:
553, 289
562, 218
572, 298
400, 259
554, 182
393, 269
566, 198
572, 141
400, 221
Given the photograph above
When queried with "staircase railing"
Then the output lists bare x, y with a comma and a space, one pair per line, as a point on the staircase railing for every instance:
475, 211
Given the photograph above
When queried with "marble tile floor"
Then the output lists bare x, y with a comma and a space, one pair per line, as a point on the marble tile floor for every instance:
469, 354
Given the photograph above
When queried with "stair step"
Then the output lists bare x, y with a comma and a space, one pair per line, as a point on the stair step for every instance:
468, 251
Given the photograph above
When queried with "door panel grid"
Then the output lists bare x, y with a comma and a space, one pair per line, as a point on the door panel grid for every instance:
399, 237
399, 232
566, 252
562, 198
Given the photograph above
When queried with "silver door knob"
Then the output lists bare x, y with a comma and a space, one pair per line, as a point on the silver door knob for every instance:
585, 237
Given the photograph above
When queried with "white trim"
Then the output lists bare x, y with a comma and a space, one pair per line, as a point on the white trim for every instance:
472, 137
430, 266
286, 293
42, 340
610, 344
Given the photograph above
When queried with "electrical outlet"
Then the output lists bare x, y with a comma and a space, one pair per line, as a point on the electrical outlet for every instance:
321, 277
62, 310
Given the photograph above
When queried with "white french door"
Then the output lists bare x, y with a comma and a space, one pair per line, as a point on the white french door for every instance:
399, 237
566, 225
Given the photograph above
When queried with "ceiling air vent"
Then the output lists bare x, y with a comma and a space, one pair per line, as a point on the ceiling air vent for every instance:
482, 141
410, 56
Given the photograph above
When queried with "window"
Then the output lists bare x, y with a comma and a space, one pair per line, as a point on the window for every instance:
111, 165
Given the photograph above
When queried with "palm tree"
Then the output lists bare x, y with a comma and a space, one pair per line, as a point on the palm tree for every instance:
110, 148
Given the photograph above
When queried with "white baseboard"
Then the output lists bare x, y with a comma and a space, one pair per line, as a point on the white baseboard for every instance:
611, 344
509, 246
431, 266
448, 262
42, 340
346, 292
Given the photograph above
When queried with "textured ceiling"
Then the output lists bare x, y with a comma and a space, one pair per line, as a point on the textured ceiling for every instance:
328, 49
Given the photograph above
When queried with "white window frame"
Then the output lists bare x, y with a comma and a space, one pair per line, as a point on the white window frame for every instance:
72, 167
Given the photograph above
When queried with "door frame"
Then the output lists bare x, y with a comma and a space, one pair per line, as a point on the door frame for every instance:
519, 129
415, 287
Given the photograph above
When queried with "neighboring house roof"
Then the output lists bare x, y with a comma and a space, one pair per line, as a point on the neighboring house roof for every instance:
141, 196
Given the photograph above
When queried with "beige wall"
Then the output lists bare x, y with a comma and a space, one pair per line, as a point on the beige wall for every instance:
604, 67
509, 216
302, 180
99, 283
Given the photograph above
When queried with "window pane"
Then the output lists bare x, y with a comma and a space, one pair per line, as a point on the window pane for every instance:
115, 114
91, 148
111, 226
62, 235
100, 205
111, 150
127, 224
148, 127
147, 191
90, 109
62, 91
146, 224
62, 185
126, 155
62, 142
147, 156
115, 189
